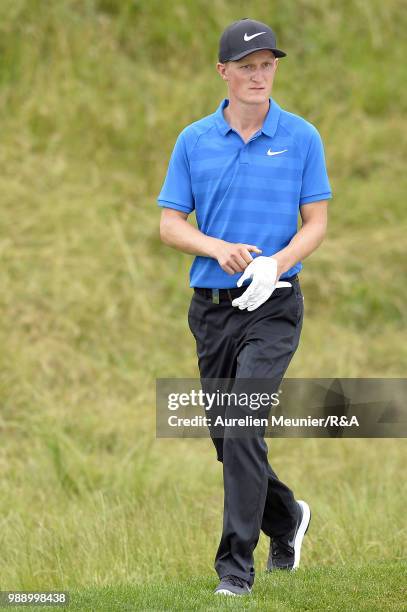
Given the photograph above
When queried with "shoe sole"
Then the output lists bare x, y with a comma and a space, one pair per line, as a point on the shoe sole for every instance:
226, 592
302, 530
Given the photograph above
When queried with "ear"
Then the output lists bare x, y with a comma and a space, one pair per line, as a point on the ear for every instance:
222, 70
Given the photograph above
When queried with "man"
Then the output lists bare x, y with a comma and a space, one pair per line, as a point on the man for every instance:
247, 170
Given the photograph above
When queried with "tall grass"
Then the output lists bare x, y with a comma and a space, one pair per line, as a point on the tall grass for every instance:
93, 306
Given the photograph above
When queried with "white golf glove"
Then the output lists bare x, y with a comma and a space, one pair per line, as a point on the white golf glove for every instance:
264, 273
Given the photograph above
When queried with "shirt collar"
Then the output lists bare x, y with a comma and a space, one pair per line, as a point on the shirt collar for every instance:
269, 126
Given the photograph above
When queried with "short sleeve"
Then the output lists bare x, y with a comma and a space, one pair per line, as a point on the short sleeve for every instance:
176, 191
315, 183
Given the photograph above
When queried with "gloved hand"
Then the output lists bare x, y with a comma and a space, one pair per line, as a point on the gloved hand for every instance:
264, 273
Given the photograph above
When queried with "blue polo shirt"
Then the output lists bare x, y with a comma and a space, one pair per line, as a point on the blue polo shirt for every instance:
245, 192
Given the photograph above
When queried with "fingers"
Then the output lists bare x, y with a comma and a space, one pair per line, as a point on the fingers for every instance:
254, 296
242, 258
258, 303
247, 258
229, 270
252, 247
242, 301
234, 264
264, 280
234, 258
257, 299
246, 252
246, 274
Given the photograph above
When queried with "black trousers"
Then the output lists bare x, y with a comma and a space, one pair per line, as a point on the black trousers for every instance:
237, 344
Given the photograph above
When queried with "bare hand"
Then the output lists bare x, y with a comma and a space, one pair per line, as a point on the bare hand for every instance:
234, 257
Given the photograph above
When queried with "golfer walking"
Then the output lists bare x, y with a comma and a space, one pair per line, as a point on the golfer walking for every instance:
248, 170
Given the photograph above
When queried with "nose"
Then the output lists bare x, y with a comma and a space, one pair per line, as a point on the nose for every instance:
257, 75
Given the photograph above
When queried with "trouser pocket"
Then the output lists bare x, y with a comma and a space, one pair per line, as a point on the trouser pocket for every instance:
299, 298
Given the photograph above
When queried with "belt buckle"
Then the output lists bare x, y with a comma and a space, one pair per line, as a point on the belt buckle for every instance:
215, 296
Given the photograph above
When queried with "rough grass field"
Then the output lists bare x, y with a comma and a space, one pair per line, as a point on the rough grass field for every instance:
93, 307
367, 587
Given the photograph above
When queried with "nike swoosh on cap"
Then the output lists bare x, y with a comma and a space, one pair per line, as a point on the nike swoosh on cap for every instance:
270, 152
247, 37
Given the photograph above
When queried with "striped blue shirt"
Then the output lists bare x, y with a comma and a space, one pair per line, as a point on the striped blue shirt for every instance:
245, 192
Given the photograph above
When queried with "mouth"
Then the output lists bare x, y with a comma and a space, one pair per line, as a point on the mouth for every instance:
257, 88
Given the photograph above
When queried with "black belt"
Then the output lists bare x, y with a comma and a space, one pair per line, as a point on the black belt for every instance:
222, 295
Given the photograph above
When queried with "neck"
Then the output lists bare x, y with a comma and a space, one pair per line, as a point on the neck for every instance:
245, 117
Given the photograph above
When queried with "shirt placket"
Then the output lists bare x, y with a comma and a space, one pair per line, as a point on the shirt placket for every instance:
244, 157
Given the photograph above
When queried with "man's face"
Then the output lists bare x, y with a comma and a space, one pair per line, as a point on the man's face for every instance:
250, 79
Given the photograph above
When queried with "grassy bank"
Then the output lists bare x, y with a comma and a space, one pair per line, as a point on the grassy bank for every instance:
93, 307
374, 586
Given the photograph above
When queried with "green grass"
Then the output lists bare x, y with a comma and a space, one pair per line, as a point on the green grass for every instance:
373, 586
367, 587
79, 508
93, 306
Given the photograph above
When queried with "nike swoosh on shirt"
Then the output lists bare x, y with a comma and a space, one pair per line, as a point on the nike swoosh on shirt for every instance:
247, 37
270, 152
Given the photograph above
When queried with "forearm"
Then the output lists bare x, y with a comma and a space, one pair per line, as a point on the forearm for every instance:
305, 242
181, 235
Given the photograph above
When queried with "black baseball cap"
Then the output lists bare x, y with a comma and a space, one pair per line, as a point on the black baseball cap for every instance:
246, 36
